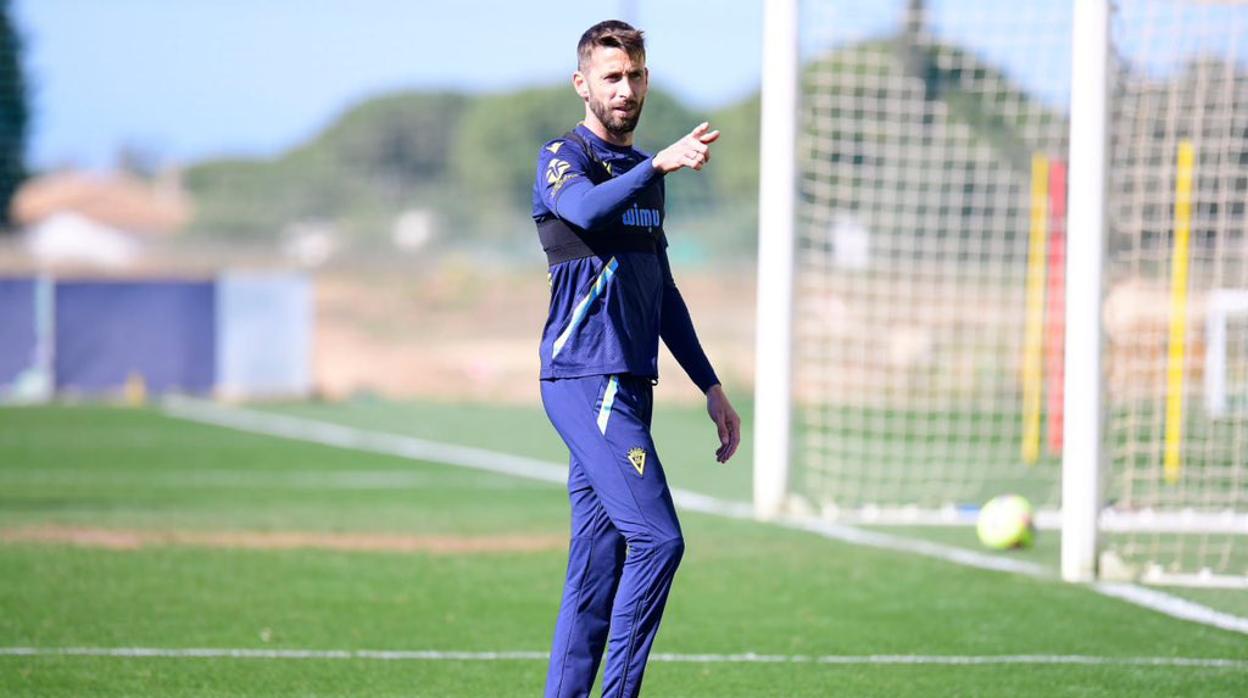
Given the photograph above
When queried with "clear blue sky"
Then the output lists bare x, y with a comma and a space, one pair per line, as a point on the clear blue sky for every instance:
186, 79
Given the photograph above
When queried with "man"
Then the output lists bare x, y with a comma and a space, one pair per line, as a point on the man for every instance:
598, 204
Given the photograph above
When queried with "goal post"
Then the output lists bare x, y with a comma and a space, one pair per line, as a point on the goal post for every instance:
1083, 455
1002, 248
776, 211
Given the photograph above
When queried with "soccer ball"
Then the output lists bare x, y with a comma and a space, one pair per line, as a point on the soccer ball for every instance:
1007, 521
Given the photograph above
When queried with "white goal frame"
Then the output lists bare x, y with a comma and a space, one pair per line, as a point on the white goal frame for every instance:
1084, 460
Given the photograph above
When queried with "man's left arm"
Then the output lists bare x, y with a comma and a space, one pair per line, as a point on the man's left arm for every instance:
676, 329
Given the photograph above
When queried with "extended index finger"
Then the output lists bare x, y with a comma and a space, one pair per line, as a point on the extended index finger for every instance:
700, 130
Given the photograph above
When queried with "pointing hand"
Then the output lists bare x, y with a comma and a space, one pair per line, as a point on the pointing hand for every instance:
693, 151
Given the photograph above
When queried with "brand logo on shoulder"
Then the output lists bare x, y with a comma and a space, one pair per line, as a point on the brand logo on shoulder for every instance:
637, 456
556, 170
557, 173
554, 147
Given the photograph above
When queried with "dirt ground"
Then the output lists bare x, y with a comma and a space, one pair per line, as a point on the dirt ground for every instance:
458, 334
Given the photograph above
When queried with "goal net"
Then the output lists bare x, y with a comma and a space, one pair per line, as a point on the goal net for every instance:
928, 290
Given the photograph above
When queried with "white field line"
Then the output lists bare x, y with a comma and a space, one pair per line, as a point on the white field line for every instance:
309, 430
314, 431
1172, 605
742, 658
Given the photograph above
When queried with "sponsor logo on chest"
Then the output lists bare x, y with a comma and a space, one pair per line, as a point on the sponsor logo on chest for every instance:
641, 217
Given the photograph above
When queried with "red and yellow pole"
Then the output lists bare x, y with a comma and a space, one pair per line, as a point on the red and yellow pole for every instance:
1055, 311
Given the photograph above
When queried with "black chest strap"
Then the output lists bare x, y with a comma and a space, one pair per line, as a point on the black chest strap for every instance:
563, 241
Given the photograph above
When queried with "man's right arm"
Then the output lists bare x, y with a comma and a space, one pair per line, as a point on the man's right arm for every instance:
568, 192
570, 195
587, 205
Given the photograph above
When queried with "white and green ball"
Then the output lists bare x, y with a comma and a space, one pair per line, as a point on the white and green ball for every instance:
1007, 521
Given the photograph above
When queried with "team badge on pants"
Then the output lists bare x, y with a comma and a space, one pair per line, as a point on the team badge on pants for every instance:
637, 456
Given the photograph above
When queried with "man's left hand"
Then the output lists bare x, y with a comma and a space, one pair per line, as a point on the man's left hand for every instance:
727, 422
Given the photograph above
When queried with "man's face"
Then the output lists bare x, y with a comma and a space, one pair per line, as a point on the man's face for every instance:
614, 86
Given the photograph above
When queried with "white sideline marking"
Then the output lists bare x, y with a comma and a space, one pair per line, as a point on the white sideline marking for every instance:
1173, 605
302, 429
889, 541
742, 658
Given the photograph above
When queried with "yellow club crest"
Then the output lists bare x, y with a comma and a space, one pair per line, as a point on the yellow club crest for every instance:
637, 456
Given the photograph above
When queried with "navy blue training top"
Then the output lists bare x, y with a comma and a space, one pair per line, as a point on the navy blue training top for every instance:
612, 292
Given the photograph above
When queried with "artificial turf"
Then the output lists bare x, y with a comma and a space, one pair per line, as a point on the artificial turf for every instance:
743, 587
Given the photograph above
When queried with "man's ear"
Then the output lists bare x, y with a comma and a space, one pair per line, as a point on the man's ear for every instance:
581, 84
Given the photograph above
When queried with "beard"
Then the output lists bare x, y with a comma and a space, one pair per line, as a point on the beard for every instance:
617, 124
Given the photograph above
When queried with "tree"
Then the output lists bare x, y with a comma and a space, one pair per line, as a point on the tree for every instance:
14, 114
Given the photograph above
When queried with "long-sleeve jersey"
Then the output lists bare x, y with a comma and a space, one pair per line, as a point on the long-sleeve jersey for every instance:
599, 213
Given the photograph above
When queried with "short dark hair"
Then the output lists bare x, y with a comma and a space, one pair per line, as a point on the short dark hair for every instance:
613, 34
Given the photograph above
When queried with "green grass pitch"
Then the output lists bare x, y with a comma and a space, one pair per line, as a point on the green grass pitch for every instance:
743, 587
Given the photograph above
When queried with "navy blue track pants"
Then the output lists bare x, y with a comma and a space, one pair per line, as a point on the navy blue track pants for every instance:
626, 540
